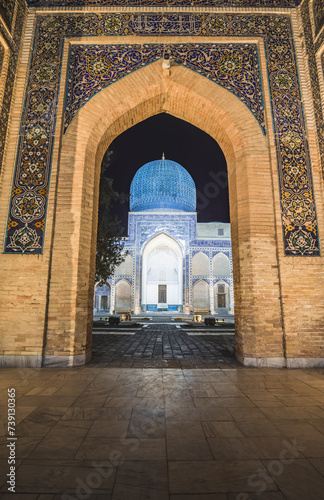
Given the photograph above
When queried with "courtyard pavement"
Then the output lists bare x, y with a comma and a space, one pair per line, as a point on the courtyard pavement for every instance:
165, 345
132, 432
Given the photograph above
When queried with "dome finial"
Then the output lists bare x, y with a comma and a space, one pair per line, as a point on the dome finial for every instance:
163, 157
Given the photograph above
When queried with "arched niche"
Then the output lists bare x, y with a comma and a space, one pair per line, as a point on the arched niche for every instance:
221, 265
102, 297
200, 295
222, 299
126, 267
123, 292
200, 264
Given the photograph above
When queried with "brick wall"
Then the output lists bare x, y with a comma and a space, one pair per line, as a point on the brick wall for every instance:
47, 300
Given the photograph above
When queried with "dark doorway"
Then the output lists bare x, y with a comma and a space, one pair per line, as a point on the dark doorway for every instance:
162, 294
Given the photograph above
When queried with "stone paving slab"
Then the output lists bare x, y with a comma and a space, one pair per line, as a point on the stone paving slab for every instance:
164, 345
175, 434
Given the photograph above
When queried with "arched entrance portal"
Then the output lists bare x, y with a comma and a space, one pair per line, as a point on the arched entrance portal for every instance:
224, 117
162, 275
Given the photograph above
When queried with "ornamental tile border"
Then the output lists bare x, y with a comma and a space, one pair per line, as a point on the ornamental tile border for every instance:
315, 87
318, 10
2, 53
7, 11
26, 222
162, 3
13, 43
319, 40
233, 66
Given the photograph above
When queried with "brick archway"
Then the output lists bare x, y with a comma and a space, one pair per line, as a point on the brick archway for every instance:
195, 99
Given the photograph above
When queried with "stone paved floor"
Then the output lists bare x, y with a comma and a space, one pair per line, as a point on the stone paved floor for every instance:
118, 433
164, 346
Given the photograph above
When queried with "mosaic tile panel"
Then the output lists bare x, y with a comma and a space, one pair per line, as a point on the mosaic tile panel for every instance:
319, 40
318, 9
162, 184
159, 3
142, 227
14, 46
2, 53
311, 51
29, 196
234, 66
7, 10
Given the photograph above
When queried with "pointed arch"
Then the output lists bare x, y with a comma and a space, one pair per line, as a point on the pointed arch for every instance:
200, 295
102, 297
221, 296
123, 292
126, 267
162, 260
200, 264
221, 265
194, 98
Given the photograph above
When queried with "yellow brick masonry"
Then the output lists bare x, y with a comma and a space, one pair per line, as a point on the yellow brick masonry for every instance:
195, 99
47, 300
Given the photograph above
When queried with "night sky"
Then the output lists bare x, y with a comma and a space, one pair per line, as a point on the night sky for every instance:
180, 141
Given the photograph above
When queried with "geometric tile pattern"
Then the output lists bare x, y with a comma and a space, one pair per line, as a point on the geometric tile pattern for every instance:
27, 214
319, 40
162, 185
2, 53
234, 66
7, 9
312, 48
180, 226
13, 43
318, 9
159, 3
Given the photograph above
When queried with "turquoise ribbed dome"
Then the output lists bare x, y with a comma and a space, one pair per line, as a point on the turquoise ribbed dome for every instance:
162, 185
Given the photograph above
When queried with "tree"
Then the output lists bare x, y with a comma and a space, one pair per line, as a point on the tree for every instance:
109, 245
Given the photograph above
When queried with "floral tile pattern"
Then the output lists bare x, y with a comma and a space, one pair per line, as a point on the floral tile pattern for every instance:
7, 9
318, 9
312, 48
13, 43
29, 196
158, 3
2, 52
234, 66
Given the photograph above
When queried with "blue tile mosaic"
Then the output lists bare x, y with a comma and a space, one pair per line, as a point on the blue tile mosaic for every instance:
2, 53
160, 3
181, 226
318, 10
25, 230
234, 66
13, 43
312, 47
7, 10
162, 184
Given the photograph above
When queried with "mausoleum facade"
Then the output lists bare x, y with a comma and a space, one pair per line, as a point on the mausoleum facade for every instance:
172, 262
